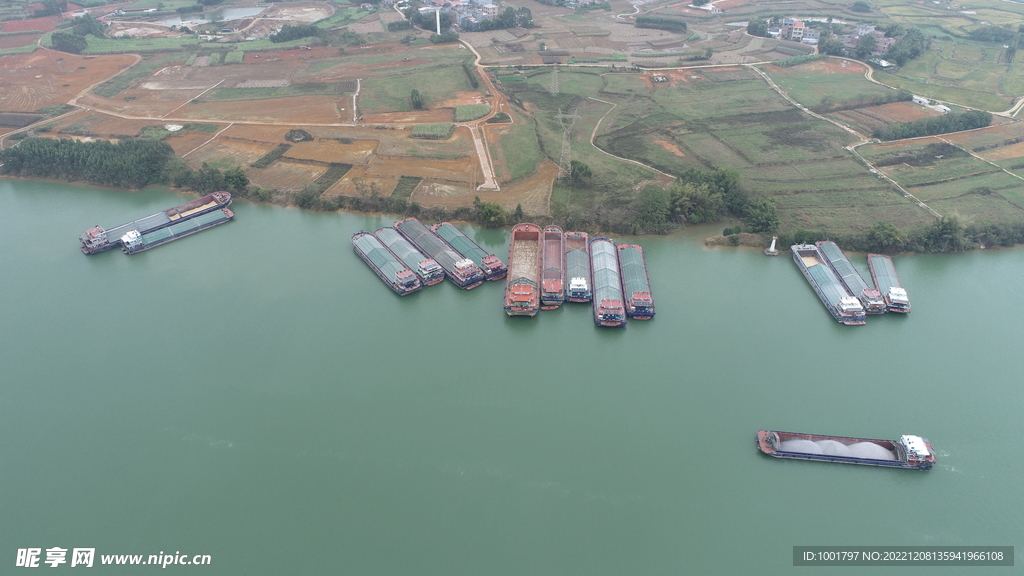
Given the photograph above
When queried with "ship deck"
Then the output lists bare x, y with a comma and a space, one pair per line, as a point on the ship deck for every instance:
372, 248
634, 271
607, 285
401, 247
430, 243
461, 243
523, 262
182, 228
196, 210
884, 273
842, 265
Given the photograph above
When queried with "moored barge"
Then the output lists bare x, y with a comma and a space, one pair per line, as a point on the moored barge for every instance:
462, 271
604, 265
134, 242
908, 452
491, 266
843, 307
636, 284
388, 267
97, 239
429, 272
854, 283
552, 275
883, 272
577, 267
522, 292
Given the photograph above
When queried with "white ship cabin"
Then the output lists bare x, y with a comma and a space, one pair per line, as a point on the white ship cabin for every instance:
898, 295
916, 447
133, 239
578, 286
465, 264
850, 305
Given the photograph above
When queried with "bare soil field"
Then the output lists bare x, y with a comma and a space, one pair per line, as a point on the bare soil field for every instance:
183, 143
106, 126
413, 117
231, 151
1004, 152
45, 24
285, 175
833, 66
670, 147
313, 53
357, 182
18, 40
141, 30
987, 136
465, 169
299, 110
266, 134
30, 81
330, 150
533, 193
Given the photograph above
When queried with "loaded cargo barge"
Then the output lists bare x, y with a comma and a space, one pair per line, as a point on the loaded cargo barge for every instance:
636, 284
577, 267
429, 272
491, 266
134, 242
552, 276
908, 452
460, 270
883, 272
388, 267
522, 292
97, 239
608, 307
854, 283
843, 307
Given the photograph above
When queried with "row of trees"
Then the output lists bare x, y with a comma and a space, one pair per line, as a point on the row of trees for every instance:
288, 32
74, 42
131, 163
510, 18
661, 22
937, 125
948, 233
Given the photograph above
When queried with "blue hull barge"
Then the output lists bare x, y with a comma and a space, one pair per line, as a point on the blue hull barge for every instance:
577, 267
854, 283
492, 266
460, 270
97, 239
429, 272
133, 242
883, 272
608, 307
636, 284
843, 307
552, 265
909, 451
390, 269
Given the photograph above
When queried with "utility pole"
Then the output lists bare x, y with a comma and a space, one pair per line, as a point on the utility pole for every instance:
565, 159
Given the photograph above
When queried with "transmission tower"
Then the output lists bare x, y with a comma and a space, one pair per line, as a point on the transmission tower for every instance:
565, 159
554, 82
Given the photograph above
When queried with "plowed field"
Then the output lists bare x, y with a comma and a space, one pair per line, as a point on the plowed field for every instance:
327, 150
285, 175
31, 81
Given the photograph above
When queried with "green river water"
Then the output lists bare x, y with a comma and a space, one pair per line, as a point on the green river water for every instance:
256, 393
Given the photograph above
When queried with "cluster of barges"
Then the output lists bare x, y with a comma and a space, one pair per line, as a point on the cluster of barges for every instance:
160, 228
842, 289
549, 267
410, 255
546, 267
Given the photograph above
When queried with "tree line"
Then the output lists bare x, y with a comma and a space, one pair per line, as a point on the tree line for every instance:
131, 163
288, 32
661, 22
951, 122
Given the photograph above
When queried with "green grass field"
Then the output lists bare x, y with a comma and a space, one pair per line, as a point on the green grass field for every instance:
303, 89
519, 148
437, 81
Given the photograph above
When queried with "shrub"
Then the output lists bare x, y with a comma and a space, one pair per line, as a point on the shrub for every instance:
434, 130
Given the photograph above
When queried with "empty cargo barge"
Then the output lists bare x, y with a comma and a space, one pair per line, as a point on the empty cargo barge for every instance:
522, 293
97, 239
869, 297
883, 272
429, 272
491, 266
843, 307
388, 267
460, 270
577, 267
604, 265
636, 284
133, 241
552, 274
907, 452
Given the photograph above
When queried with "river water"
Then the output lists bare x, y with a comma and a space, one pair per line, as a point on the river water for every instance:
255, 393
